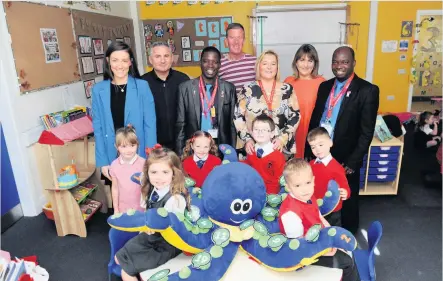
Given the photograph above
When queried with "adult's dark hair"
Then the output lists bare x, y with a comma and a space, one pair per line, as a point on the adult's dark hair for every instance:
211, 49
235, 25
119, 46
346, 48
311, 52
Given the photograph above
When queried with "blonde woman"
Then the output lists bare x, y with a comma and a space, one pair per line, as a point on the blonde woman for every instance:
270, 96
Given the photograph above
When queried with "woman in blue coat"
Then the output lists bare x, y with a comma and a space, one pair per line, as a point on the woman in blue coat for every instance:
119, 100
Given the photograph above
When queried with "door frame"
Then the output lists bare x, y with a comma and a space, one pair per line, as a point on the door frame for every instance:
420, 13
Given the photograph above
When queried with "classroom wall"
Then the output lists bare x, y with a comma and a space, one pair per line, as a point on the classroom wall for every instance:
386, 65
358, 12
20, 113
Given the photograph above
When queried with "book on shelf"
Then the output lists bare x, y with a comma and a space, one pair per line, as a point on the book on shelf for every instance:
55, 119
82, 191
89, 207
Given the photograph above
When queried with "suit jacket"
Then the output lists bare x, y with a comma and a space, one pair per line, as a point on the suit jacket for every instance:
355, 124
189, 112
139, 111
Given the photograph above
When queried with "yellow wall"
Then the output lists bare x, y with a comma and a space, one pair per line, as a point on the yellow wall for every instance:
386, 65
359, 12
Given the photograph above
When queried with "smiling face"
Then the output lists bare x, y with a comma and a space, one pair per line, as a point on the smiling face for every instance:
305, 65
120, 61
268, 67
262, 133
301, 184
160, 174
201, 146
127, 150
342, 64
210, 64
233, 193
161, 58
235, 39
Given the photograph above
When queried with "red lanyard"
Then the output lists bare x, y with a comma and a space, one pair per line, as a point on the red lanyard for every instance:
268, 101
202, 91
334, 100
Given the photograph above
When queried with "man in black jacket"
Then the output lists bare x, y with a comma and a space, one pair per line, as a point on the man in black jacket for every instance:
206, 103
347, 107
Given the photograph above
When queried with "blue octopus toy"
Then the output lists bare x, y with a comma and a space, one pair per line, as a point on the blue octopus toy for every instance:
232, 212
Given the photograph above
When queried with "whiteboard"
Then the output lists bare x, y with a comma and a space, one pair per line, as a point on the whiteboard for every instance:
285, 31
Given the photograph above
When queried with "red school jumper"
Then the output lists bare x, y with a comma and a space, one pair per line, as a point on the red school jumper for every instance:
308, 213
270, 168
197, 174
323, 174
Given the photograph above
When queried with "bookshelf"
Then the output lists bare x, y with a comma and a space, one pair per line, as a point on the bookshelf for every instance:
71, 207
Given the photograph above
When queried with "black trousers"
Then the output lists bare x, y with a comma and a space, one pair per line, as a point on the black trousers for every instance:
350, 217
342, 261
334, 218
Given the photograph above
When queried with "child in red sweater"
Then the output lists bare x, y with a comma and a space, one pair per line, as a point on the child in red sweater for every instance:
269, 163
299, 212
200, 156
326, 168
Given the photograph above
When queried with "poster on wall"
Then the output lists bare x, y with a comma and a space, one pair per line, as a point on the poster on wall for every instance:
85, 44
88, 87
98, 47
406, 28
50, 45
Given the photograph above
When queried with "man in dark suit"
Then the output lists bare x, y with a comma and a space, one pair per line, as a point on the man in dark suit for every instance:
347, 107
206, 103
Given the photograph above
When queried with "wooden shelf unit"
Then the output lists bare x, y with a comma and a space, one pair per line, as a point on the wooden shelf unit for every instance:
388, 187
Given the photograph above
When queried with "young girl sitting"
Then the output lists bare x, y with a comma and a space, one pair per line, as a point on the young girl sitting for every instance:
163, 185
425, 136
125, 193
200, 156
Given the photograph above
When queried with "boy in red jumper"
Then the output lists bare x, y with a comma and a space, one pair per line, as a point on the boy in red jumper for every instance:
299, 212
326, 168
269, 163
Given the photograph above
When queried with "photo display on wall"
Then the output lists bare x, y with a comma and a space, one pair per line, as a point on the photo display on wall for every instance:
187, 37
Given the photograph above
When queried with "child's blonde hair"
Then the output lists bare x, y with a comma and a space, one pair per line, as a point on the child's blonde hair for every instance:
126, 135
187, 151
178, 179
317, 132
295, 165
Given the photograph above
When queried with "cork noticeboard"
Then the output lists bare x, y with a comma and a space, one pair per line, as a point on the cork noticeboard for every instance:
42, 43
94, 32
187, 37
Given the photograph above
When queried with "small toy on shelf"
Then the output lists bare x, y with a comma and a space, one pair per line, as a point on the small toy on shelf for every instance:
68, 177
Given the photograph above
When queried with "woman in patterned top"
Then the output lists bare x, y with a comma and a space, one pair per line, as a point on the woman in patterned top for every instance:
268, 95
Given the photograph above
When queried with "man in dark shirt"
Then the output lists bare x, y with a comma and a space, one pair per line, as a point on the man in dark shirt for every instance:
164, 81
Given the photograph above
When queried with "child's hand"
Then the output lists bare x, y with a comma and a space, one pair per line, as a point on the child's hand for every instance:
249, 147
331, 253
149, 232
343, 193
277, 144
105, 172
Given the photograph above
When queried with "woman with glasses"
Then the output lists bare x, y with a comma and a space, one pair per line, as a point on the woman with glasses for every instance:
121, 99
305, 82
269, 96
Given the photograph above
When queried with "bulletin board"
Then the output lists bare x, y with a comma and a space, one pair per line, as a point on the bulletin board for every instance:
42, 44
187, 37
428, 61
94, 32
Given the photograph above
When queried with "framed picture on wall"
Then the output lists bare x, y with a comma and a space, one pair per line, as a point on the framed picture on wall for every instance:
187, 55
127, 40
99, 65
98, 47
85, 44
87, 65
88, 87
186, 42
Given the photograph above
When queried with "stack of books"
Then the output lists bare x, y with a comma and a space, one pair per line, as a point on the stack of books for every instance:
56, 119
21, 269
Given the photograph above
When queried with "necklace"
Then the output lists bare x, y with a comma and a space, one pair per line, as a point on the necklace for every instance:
268, 100
122, 89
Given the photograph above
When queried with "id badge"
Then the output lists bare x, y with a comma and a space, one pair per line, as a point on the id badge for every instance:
213, 112
328, 127
213, 133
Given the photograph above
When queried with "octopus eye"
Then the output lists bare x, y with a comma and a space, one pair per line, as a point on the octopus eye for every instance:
247, 206
236, 206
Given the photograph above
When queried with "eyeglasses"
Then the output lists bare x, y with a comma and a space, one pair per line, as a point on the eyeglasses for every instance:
261, 131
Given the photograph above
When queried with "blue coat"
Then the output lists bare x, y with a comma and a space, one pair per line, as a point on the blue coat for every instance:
139, 111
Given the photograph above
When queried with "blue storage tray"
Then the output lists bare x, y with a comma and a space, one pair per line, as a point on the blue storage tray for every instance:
381, 178
362, 177
383, 164
362, 184
382, 171
384, 156
385, 149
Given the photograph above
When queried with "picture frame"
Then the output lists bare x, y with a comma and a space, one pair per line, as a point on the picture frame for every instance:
186, 42
85, 44
99, 65
98, 46
127, 40
87, 65
88, 84
187, 56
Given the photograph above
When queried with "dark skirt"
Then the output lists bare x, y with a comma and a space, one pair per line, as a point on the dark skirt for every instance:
145, 252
